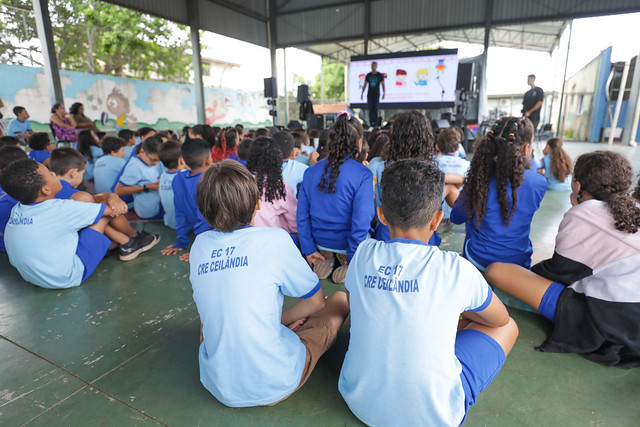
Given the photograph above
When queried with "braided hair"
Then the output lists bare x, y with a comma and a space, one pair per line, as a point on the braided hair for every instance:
608, 176
265, 162
343, 142
560, 160
499, 154
411, 137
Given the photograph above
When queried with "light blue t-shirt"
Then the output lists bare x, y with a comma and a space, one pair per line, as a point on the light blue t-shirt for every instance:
42, 239
451, 163
136, 173
307, 149
105, 172
166, 197
128, 151
97, 153
406, 298
292, 174
248, 358
16, 126
552, 181
376, 166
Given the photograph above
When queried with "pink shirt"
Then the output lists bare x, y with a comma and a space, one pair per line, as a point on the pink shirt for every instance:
280, 213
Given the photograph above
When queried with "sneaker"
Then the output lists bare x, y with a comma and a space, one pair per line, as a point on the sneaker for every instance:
141, 243
323, 268
341, 272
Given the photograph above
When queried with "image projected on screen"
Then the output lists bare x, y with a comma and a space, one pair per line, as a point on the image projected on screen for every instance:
425, 79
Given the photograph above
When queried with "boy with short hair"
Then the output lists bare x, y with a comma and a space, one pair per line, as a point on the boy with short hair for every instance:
7, 155
69, 166
170, 155
41, 147
20, 126
129, 139
298, 141
9, 140
444, 362
292, 171
196, 153
108, 167
141, 178
252, 352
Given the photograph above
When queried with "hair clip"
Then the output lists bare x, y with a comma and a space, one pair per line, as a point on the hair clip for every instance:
345, 111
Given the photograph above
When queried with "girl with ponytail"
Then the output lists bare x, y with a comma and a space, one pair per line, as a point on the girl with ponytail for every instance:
557, 166
335, 202
500, 196
226, 146
589, 288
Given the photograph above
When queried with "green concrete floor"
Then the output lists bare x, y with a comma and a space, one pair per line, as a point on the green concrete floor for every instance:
122, 350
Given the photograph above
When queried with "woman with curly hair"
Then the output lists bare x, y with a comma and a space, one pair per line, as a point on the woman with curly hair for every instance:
589, 288
557, 166
335, 202
500, 196
278, 203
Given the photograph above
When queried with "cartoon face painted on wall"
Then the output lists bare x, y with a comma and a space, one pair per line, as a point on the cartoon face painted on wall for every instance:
117, 103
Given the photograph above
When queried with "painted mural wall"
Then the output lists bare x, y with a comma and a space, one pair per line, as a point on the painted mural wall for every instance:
129, 103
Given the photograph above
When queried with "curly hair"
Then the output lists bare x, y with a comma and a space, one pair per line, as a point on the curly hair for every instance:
265, 162
560, 160
499, 154
343, 142
636, 192
608, 176
411, 137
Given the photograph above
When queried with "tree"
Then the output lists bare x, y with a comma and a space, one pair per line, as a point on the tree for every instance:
98, 37
333, 82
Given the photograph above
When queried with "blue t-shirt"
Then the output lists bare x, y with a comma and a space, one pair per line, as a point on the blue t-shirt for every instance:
406, 298
136, 173
188, 216
16, 126
128, 151
293, 173
106, 171
42, 239
235, 157
6, 204
39, 155
248, 357
67, 191
97, 153
494, 241
340, 220
166, 197
552, 181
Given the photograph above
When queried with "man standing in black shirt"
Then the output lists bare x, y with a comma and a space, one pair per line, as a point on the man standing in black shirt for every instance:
374, 79
532, 102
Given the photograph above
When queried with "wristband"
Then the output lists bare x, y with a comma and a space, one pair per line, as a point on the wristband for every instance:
144, 188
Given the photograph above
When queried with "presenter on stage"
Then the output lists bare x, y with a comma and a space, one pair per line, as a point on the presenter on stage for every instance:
532, 102
373, 80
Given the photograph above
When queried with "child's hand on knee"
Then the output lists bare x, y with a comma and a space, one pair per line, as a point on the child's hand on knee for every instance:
170, 250
117, 205
184, 257
297, 324
315, 257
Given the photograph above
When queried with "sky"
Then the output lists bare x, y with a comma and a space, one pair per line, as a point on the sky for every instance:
506, 70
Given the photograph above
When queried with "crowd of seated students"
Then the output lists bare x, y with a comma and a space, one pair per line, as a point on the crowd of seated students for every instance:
274, 211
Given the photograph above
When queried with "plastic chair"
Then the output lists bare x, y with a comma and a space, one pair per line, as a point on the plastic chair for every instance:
57, 142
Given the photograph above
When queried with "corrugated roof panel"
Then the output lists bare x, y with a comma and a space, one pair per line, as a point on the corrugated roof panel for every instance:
221, 20
174, 10
293, 5
256, 6
540, 10
322, 24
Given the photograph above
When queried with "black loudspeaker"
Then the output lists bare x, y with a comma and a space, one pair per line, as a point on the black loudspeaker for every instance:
303, 94
315, 121
270, 88
465, 76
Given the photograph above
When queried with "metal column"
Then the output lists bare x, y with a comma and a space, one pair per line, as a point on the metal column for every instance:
286, 91
322, 80
367, 25
194, 24
564, 82
45, 33
272, 39
631, 122
616, 114
482, 89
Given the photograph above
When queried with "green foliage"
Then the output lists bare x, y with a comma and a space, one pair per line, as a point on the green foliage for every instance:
333, 82
99, 37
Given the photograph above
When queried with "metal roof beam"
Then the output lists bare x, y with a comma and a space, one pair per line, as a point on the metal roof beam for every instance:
236, 8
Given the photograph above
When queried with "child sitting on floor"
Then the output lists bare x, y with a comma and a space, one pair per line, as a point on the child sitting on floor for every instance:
129, 139
500, 196
10, 140
406, 297
54, 243
292, 171
107, 167
89, 147
243, 150
69, 166
197, 156
557, 166
41, 147
225, 147
251, 352
170, 154
279, 204
589, 288
335, 205
141, 178
7, 155
447, 144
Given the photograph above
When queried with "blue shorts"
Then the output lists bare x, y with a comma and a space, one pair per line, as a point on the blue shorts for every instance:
92, 247
550, 300
481, 358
